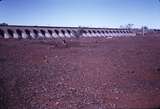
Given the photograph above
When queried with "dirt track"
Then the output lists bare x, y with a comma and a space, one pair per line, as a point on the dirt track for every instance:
96, 74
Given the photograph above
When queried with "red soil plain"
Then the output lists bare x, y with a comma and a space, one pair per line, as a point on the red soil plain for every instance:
85, 73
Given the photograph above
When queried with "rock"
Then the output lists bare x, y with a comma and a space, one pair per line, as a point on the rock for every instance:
45, 59
57, 103
115, 90
113, 105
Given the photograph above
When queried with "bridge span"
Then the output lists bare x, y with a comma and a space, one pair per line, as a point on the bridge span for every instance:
37, 32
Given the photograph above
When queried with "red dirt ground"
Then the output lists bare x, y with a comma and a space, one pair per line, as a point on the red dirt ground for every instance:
86, 74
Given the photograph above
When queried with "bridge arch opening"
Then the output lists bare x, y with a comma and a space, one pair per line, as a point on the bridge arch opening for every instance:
110, 31
90, 31
36, 33
85, 32
120, 31
10, 33
43, 32
102, 32
117, 31
19, 32
50, 32
1, 33
28, 33
98, 32
94, 31
57, 32
63, 32
69, 32
114, 31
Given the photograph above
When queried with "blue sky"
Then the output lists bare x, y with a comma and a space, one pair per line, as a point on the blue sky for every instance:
94, 13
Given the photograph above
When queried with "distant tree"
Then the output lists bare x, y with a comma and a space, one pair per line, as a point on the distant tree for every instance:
144, 29
79, 32
3, 24
121, 26
129, 26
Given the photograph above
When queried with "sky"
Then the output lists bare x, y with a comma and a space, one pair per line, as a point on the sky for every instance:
88, 13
